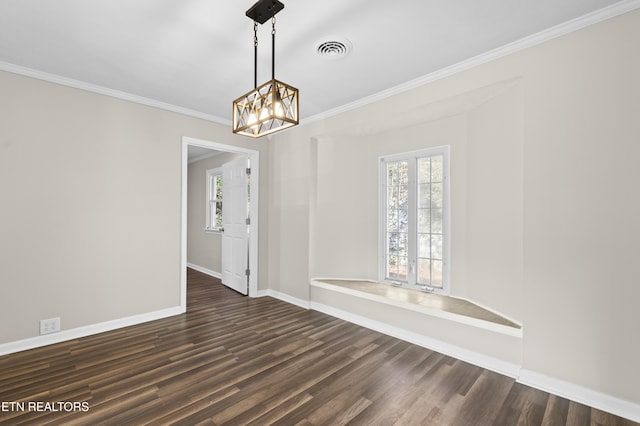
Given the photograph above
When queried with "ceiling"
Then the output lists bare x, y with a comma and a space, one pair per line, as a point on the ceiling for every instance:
197, 55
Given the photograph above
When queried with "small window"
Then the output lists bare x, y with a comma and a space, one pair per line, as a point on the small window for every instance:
414, 223
214, 200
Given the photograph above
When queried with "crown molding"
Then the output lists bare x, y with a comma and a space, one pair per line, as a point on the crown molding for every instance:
204, 157
516, 46
508, 49
77, 84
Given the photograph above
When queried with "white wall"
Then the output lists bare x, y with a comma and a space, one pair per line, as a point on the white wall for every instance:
288, 215
581, 208
544, 179
90, 218
483, 128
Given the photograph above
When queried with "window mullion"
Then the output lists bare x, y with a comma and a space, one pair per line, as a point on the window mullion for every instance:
214, 184
415, 222
412, 222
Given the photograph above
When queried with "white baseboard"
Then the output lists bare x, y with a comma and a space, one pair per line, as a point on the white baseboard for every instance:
76, 333
591, 398
289, 299
206, 271
484, 361
600, 401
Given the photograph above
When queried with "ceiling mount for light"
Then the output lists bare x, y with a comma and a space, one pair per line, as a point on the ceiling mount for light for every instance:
274, 105
264, 10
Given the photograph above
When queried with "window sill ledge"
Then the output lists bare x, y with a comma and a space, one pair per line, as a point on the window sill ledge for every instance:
446, 307
213, 230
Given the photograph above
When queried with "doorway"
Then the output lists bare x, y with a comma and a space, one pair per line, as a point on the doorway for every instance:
253, 156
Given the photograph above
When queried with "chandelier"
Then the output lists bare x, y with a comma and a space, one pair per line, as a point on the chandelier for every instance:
273, 106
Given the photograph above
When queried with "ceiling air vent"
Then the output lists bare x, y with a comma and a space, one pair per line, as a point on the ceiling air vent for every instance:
334, 49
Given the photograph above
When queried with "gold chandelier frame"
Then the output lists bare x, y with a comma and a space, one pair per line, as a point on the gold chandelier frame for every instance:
273, 106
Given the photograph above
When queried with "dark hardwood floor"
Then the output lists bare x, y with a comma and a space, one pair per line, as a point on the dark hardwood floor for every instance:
236, 360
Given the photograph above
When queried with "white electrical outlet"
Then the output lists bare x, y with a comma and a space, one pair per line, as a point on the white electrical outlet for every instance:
50, 325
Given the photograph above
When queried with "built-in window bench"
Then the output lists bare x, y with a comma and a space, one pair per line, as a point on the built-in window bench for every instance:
449, 325
429, 303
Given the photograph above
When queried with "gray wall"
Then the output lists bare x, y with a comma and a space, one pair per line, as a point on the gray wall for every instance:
91, 199
544, 209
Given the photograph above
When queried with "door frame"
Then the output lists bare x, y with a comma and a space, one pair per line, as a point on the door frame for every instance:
254, 157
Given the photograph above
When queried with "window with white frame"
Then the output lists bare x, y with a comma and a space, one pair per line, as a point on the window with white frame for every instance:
414, 213
214, 200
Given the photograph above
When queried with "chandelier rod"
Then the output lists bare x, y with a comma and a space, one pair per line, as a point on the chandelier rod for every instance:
255, 54
273, 47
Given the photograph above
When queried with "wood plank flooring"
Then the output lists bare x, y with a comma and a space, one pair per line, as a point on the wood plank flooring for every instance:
241, 361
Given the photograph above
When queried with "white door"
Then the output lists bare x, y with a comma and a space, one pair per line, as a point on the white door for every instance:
235, 238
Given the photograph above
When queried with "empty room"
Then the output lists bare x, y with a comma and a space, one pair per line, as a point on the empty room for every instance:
319, 213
